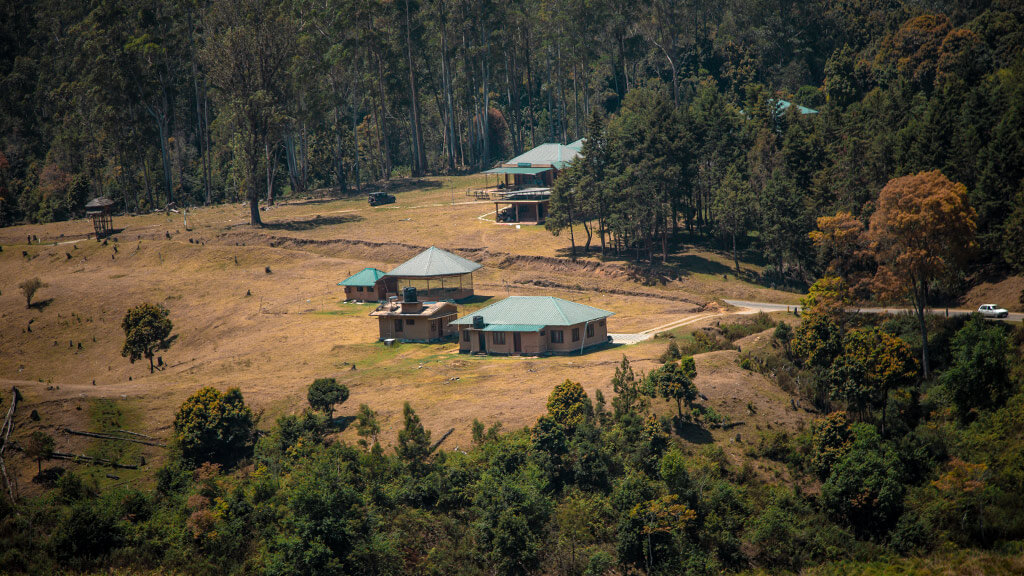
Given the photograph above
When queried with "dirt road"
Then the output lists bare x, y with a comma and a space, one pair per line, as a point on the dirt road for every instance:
772, 307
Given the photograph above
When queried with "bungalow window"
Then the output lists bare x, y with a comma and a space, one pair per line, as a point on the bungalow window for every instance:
590, 330
465, 335
498, 337
398, 324
410, 321
575, 334
359, 288
556, 337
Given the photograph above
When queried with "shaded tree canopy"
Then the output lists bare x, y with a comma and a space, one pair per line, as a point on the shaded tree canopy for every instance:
146, 329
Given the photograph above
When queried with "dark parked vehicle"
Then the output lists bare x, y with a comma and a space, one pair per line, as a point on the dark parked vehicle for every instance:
378, 198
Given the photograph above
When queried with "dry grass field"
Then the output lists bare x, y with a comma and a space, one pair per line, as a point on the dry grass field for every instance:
260, 309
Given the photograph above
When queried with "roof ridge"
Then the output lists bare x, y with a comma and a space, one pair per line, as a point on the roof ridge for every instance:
558, 307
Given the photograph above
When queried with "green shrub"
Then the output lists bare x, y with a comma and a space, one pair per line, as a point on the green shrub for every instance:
214, 427
325, 393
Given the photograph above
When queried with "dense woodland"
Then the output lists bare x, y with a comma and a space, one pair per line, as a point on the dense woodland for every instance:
152, 102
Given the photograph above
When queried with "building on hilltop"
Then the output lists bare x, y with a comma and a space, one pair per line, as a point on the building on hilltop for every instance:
363, 286
411, 320
537, 168
436, 274
532, 325
522, 189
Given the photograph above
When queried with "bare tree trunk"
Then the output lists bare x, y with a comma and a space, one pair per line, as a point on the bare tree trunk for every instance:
735, 256
381, 125
200, 130
513, 129
561, 94
529, 88
355, 137
165, 157
576, 100
419, 158
551, 114
339, 161
149, 186
446, 81
572, 236
920, 303
484, 71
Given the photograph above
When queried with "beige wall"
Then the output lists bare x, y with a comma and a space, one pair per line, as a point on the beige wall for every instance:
535, 342
421, 330
568, 345
369, 293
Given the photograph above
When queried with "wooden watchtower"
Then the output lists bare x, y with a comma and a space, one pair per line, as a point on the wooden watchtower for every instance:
99, 210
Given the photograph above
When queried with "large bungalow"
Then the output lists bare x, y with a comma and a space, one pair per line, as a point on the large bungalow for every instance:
363, 286
525, 197
531, 325
413, 321
435, 274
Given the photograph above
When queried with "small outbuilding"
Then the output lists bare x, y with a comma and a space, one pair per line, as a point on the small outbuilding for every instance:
532, 325
413, 321
99, 210
363, 286
436, 274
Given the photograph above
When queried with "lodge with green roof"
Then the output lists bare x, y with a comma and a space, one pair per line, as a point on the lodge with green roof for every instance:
364, 286
532, 325
524, 195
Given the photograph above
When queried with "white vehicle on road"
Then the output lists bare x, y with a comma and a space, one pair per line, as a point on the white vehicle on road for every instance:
992, 311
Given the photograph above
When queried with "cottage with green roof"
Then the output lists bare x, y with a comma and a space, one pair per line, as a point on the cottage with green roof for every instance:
532, 325
363, 285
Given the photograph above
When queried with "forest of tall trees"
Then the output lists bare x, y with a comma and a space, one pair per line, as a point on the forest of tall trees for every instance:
151, 102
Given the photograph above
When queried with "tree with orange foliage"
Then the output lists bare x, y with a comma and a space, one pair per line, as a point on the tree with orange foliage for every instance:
923, 227
841, 243
914, 49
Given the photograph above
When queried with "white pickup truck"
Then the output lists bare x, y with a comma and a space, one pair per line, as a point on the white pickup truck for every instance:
992, 311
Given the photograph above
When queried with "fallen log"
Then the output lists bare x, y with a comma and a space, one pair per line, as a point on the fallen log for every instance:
136, 433
443, 438
112, 437
84, 458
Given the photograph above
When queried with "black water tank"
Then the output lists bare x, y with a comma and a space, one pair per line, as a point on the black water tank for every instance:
478, 322
409, 293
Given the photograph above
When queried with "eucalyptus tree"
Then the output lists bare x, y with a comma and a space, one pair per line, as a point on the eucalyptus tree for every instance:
247, 55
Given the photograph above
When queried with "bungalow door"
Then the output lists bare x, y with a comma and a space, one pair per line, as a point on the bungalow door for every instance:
517, 342
483, 342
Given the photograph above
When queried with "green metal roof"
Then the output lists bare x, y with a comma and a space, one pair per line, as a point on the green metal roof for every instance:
516, 170
513, 327
578, 145
550, 154
365, 277
528, 313
434, 262
782, 105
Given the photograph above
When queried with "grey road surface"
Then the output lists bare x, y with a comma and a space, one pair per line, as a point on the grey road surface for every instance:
772, 307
